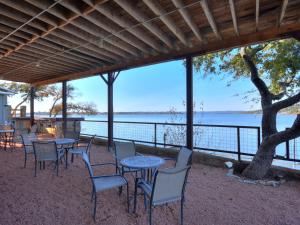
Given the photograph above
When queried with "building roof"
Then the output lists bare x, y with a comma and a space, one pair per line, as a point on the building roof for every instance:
46, 41
4, 91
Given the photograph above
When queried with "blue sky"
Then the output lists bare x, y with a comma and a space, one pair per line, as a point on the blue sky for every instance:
159, 87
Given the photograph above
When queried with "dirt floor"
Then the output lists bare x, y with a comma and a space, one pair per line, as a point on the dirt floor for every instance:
212, 198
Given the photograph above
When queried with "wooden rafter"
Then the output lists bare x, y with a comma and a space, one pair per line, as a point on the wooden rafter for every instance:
74, 39
282, 11
210, 18
234, 18
142, 18
159, 11
188, 19
135, 30
256, 14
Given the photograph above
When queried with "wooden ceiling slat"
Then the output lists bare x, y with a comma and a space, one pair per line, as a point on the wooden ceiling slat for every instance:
136, 31
282, 12
234, 19
140, 17
101, 22
210, 18
66, 40
188, 19
159, 11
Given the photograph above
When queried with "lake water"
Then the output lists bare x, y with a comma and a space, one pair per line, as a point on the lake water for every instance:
283, 120
205, 137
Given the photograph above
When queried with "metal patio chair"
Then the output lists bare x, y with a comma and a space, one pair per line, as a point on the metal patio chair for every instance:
168, 187
105, 182
47, 151
81, 148
123, 150
184, 157
27, 145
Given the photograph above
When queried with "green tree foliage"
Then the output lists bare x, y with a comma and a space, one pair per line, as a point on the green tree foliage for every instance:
274, 70
50, 91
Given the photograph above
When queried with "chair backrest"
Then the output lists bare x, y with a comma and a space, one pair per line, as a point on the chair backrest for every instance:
86, 160
72, 134
184, 157
124, 149
33, 129
45, 150
27, 141
169, 185
88, 148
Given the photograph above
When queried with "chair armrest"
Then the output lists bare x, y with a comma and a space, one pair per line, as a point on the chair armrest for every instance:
103, 164
168, 158
112, 175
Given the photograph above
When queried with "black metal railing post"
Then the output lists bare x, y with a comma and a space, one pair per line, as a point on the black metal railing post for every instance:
239, 143
155, 137
258, 137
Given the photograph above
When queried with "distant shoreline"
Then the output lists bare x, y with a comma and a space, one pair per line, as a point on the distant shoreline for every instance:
258, 112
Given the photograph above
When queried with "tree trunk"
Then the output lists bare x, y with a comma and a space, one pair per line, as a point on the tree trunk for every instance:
263, 159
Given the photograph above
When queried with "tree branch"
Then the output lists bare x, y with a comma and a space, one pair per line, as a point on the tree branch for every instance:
287, 102
256, 80
287, 134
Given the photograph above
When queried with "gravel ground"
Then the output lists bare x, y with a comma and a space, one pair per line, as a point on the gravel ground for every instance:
212, 198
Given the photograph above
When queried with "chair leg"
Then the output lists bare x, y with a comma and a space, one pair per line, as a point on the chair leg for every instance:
44, 165
40, 165
57, 168
72, 158
95, 206
25, 160
93, 192
150, 215
127, 197
181, 211
135, 194
35, 165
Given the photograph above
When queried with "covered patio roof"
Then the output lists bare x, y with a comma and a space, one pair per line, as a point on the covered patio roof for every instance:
47, 41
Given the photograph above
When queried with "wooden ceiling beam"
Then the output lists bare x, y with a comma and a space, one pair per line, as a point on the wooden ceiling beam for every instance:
83, 30
210, 18
282, 11
100, 22
188, 19
234, 18
127, 25
142, 18
167, 20
256, 14
252, 38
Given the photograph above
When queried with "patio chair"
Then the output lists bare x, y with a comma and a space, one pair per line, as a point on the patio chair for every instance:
184, 157
81, 148
105, 182
27, 145
123, 150
168, 187
46, 151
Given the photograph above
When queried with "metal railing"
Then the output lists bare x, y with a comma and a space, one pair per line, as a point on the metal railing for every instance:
237, 140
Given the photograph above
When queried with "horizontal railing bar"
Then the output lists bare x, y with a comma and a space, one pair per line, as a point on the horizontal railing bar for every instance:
174, 124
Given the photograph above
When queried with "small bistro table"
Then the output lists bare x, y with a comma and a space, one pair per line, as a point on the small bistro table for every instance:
143, 163
6, 135
65, 143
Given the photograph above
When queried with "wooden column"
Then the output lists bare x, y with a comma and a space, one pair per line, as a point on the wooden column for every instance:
64, 107
32, 93
189, 102
110, 109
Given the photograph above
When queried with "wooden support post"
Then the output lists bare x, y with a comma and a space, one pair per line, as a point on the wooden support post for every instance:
189, 102
64, 107
32, 93
110, 109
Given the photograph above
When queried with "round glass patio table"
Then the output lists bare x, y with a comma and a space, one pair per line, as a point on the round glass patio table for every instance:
142, 162
65, 143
